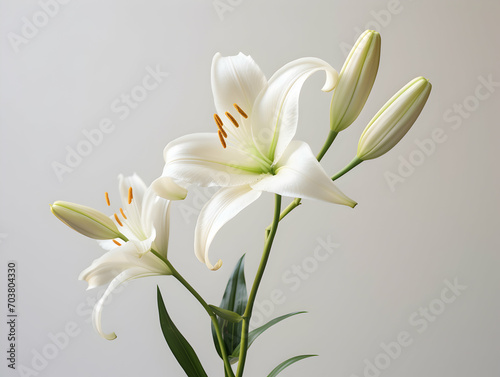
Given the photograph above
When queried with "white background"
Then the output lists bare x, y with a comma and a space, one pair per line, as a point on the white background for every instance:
395, 250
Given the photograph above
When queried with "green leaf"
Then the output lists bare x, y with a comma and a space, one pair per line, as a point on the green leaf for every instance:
179, 346
227, 314
235, 300
287, 363
254, 334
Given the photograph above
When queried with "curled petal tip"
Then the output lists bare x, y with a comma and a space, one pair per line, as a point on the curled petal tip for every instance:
167, 188
217, 265
111, 336
332, 78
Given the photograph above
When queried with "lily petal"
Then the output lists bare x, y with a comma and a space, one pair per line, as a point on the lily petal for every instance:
222, 207
107, 244
133, 210
299, 174
156, 218
201, 159
276, 110
167, 188
131, 254
236, 79
132, 273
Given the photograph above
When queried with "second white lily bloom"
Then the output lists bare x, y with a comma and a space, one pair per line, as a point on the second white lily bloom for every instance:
252, 150
144, 221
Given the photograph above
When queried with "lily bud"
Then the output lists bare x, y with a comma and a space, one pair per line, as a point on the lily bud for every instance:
355, 81
86, 220
394, 120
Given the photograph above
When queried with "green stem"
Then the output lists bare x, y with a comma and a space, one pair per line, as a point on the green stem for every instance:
328, 143
253, 293
355, 162
178, 276
285, 212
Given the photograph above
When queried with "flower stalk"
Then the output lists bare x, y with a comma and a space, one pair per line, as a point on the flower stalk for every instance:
208, 309
255, 287
351, 165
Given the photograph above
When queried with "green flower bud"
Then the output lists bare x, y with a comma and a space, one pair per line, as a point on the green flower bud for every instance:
355, 81
394, 120
85, 220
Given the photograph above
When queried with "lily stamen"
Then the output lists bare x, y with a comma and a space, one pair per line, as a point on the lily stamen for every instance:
117, 243
130, 195
106, 195
221, 138
224, 133
242, 113
231, 118
218, 120
118, 220
219, 123
123, 214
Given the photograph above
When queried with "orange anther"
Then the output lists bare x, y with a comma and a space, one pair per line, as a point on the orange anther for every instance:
221, 138
130, 195
106, 195
116, 242
218, 120
224, 133
123, 214
118, 220
231, 118
242, 113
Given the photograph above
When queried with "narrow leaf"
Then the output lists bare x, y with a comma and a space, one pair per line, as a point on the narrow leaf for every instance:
287, 363
182, 350
227, 314
235, 300
254, 334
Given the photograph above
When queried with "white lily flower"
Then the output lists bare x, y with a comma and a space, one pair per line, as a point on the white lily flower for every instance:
256, 121
144, 221
394, 119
